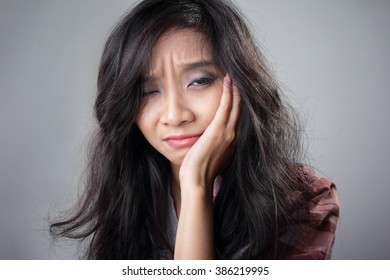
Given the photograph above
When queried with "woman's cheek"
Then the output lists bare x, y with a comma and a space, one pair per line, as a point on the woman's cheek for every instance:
147, 109
211, 102
204, 106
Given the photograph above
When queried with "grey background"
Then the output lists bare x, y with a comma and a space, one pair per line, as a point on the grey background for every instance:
332, 58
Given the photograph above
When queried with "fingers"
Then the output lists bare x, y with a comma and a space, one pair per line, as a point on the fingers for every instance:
227, 113
222, 115
235, 107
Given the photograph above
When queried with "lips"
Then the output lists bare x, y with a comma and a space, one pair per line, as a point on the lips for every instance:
181, 141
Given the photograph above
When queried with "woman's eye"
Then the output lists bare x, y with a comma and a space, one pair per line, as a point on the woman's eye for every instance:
149, 92
203, 81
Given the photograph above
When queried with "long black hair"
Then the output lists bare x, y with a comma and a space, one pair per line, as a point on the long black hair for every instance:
124, 206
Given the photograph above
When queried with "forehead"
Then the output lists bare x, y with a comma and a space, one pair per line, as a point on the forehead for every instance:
180, 46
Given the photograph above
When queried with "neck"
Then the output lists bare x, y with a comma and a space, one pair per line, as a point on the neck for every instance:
175, 188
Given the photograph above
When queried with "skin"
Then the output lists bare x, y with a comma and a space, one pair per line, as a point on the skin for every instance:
185, 94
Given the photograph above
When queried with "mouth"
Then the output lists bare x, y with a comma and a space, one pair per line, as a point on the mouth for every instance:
181, 141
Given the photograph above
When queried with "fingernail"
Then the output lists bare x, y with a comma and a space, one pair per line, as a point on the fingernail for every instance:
228, 79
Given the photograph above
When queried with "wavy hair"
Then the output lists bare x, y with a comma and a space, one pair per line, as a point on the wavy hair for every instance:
124, 205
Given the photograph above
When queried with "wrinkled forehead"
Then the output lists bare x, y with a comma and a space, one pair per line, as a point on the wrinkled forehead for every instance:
179, 47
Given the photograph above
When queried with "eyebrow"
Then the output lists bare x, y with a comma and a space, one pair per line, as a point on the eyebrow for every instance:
197, 64
185, 66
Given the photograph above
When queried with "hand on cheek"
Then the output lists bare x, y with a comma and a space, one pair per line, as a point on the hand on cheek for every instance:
204, 160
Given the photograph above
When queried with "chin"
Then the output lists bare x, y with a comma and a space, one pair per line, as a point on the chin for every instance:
177, 160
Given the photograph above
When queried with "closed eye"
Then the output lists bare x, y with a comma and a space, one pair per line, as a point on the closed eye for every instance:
148, 86
149, 92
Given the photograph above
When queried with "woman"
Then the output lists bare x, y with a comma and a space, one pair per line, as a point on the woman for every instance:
196, 155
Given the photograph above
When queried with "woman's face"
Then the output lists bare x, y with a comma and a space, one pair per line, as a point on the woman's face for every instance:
182, 90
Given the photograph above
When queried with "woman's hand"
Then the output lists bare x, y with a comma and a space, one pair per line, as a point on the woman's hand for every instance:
201, 165
206, 157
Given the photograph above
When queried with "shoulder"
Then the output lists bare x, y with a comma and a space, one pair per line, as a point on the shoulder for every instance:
312, 232
322, 199
321, 192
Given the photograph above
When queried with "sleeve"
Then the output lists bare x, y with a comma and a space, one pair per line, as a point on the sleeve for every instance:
312, 233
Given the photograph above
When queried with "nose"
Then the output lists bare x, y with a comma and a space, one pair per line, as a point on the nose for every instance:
176, 109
